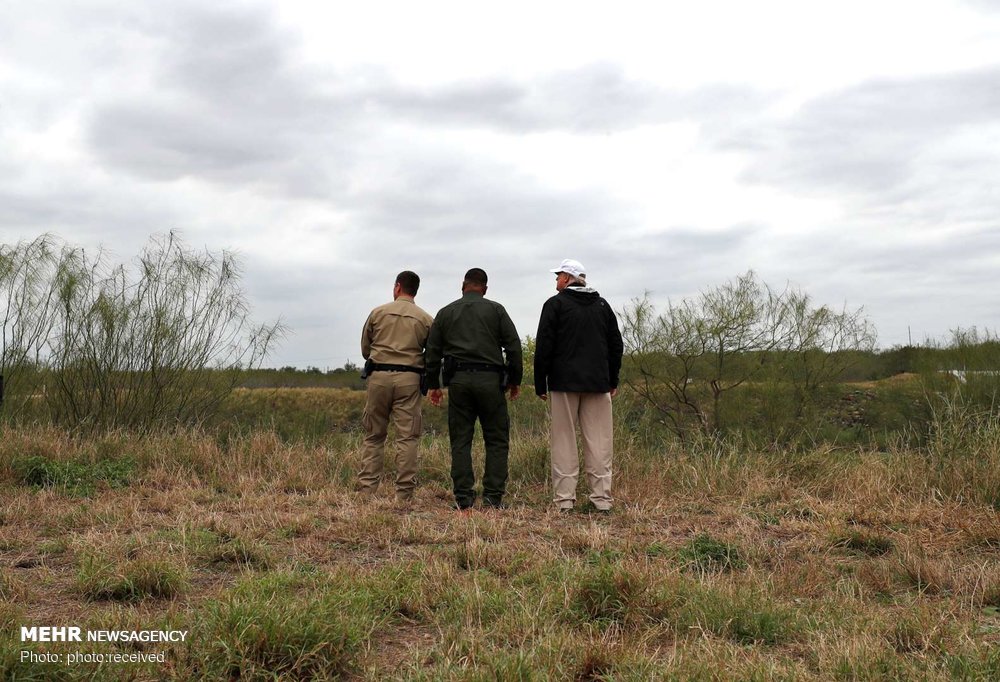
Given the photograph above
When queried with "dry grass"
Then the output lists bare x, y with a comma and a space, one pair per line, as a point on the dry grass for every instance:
718, 563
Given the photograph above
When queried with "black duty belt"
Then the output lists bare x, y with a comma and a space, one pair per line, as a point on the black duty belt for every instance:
478, 367
377, 367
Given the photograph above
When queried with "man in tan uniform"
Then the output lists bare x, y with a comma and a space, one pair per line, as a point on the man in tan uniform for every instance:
393, 342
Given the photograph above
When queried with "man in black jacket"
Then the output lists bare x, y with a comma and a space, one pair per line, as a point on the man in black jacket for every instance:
578, 354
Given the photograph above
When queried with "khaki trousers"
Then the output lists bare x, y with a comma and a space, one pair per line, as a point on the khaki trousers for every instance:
395, 395
593, 413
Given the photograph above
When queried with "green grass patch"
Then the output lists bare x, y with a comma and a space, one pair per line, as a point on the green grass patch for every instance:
75, 476
658, 549
752, 622
606, 594
766, 518
744, 617
10, 616
265, 639
293, 625
554, 659
243, 553
705, 553
13, 668
975, 666
104, 579
53, 547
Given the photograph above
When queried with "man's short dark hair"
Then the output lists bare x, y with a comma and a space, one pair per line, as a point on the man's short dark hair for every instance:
409, 282
476, 277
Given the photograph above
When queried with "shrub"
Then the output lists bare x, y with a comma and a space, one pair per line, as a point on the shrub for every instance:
156, 344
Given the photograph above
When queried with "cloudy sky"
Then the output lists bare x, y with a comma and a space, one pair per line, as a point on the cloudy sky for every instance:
851, 149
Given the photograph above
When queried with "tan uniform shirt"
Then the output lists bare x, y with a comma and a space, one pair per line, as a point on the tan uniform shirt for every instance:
396, 333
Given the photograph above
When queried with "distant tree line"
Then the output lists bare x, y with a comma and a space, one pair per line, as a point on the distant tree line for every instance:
346, 376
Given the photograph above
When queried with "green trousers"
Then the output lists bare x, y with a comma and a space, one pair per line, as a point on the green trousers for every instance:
471, 396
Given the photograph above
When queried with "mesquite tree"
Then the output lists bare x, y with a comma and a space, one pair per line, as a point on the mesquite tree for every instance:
684, 361
28, 288
821, 345
160, 343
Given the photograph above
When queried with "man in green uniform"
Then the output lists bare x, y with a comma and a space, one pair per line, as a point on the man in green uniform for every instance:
393, 341
469, 339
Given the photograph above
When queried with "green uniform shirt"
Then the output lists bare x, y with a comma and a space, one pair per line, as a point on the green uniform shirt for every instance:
473, 329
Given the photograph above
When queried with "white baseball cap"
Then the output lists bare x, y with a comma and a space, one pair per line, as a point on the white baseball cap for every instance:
571, 267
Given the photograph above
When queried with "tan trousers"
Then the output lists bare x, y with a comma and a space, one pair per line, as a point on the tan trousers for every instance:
395, 395
593, 412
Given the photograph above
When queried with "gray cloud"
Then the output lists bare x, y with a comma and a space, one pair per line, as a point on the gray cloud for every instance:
929, 283
676, 262
227, 104
183, 112
463, 197
914, 166
162, 144
872, 138
987, 5
84, 214
597, 98
230, 102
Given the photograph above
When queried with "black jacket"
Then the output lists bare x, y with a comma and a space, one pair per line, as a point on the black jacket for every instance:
578, 348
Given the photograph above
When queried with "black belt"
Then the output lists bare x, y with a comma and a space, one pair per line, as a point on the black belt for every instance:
376, 367
478, 367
